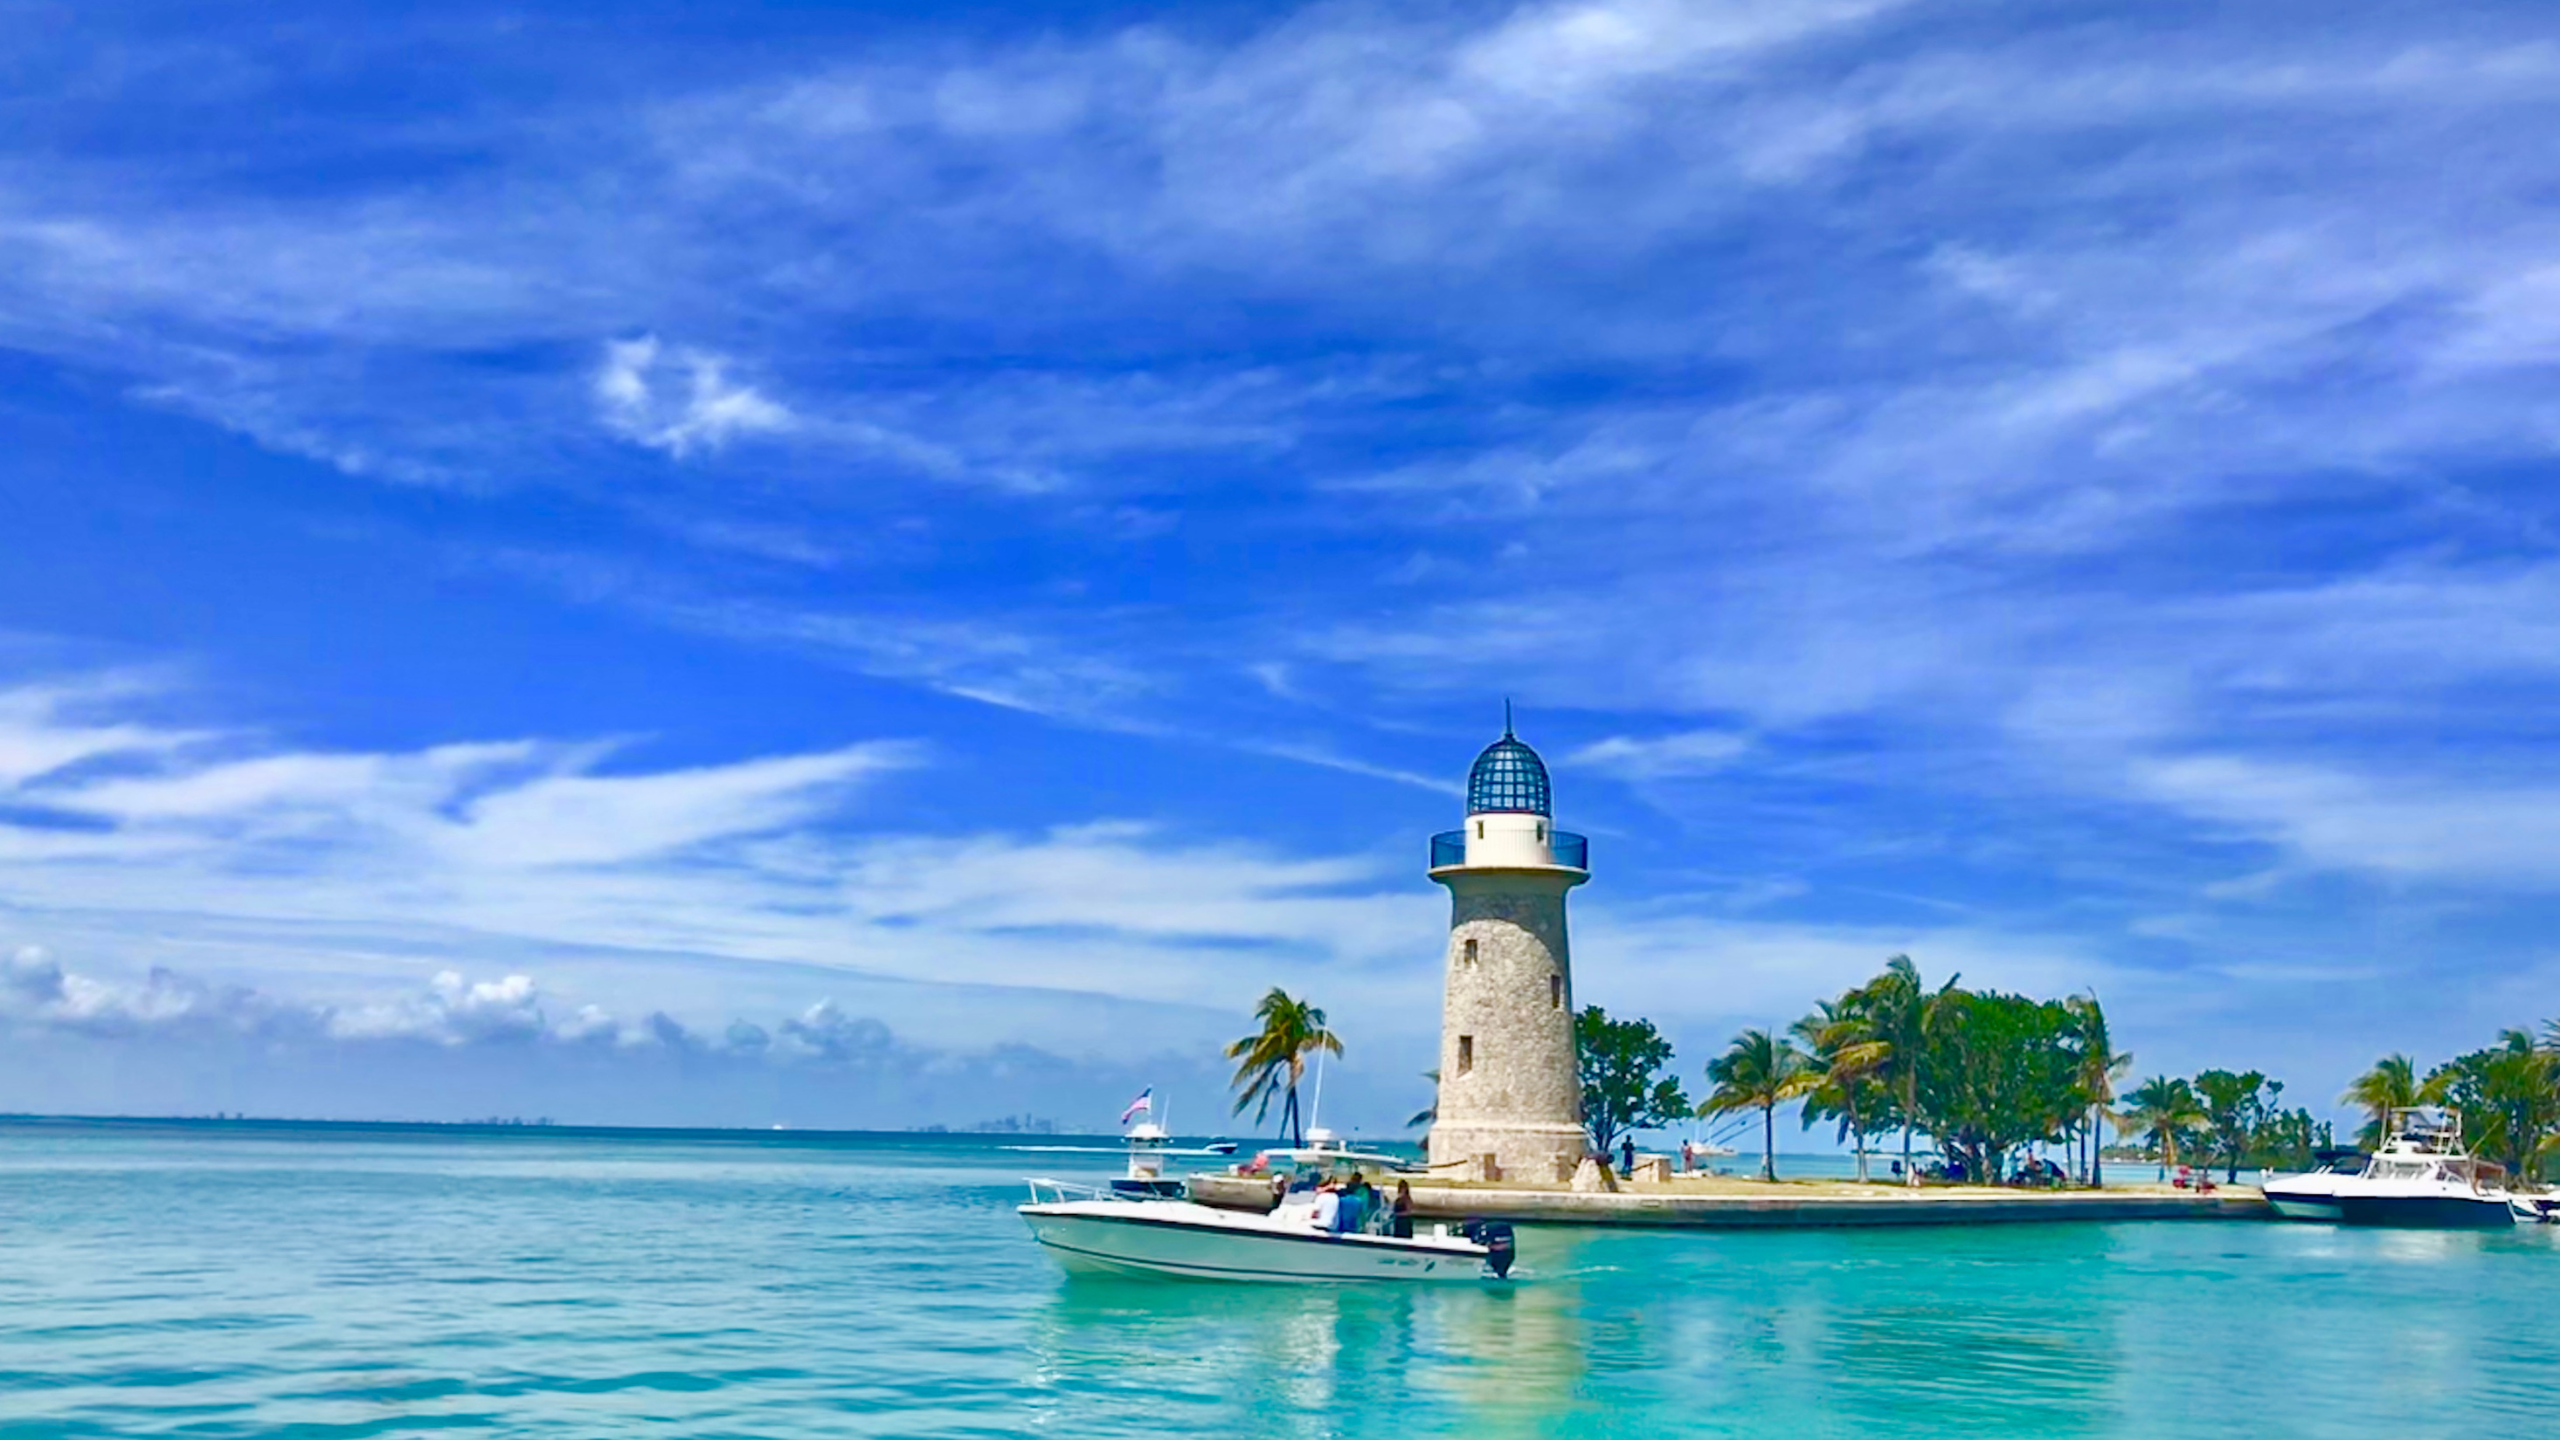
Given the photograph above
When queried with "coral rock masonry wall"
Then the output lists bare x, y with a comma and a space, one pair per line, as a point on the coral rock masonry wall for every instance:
1510, 1083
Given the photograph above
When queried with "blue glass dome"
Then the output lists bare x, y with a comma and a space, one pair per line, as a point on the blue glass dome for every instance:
1508, 779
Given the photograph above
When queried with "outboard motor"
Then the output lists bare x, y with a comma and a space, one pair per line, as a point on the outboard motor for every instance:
1495, 1237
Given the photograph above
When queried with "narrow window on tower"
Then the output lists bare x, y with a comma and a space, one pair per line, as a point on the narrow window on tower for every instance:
1470, 951
1542, 834
1555, 992
1479, 829
1466, 1053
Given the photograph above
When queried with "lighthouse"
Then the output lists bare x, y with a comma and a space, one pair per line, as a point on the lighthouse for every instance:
1510, 1083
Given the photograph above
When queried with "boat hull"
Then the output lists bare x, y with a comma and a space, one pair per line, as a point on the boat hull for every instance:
1122, 1239
2428, 1204
2429, 1212
2306, 1197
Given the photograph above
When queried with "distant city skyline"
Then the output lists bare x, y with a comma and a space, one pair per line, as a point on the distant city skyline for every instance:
852, 567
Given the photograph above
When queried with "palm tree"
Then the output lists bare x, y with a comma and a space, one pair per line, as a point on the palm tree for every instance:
1847, 1052
1428, 1114
1273, 1059
1903, 1014
2392, 1084
2101, 1065
2159, 1111
1759, 1072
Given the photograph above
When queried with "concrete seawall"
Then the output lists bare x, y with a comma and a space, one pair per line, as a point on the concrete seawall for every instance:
1730, 1204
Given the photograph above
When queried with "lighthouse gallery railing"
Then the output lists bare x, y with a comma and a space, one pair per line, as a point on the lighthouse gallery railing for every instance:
1449, 847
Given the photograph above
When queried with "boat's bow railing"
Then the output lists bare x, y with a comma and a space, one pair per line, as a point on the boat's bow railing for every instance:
1045, 1191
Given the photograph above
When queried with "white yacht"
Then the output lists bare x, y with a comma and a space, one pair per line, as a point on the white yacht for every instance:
2420, 1177
1116, 1234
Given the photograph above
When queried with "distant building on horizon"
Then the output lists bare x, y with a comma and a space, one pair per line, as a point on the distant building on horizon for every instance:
1510, 1102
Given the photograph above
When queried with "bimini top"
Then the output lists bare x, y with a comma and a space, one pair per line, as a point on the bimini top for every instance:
1508, 779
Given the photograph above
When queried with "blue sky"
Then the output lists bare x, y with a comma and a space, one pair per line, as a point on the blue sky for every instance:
860, 566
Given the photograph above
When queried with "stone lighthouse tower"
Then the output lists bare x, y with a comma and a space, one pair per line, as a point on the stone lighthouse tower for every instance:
1510, 1084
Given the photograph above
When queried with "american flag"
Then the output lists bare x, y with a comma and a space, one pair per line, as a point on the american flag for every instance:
1145, 1101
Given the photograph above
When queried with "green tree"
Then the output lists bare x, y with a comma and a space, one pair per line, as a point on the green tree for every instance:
2162, 1111
1759, 1071
2392, 1084
2101, 1065
1847, 1052
2234, 1106
1903, 1013
1623, 1087
1271, 1061
2509, 1098
2288, 1139
1999, 1073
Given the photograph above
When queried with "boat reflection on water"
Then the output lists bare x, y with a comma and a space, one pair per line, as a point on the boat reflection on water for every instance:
1488, 1360
1520, 1362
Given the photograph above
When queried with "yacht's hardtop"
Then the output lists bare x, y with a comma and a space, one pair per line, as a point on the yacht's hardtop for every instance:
2426, 1144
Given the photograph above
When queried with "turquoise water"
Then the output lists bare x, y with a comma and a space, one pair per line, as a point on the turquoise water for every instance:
366, 1283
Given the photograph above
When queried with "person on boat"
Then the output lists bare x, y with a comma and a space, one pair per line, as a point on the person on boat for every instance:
1401, 1222
1328, 1214
1357, 1200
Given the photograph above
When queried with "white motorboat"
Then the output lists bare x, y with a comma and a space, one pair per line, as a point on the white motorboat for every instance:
1324, 1153
1119, 1235
2421, 1177
2312, 1196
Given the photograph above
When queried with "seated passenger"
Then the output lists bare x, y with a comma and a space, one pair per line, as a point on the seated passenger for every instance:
1353, 1212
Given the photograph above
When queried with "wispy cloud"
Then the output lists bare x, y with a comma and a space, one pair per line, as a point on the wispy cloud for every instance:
2122, 425
679, 400
1660, 757
40, 731
762, 859
2400, 825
